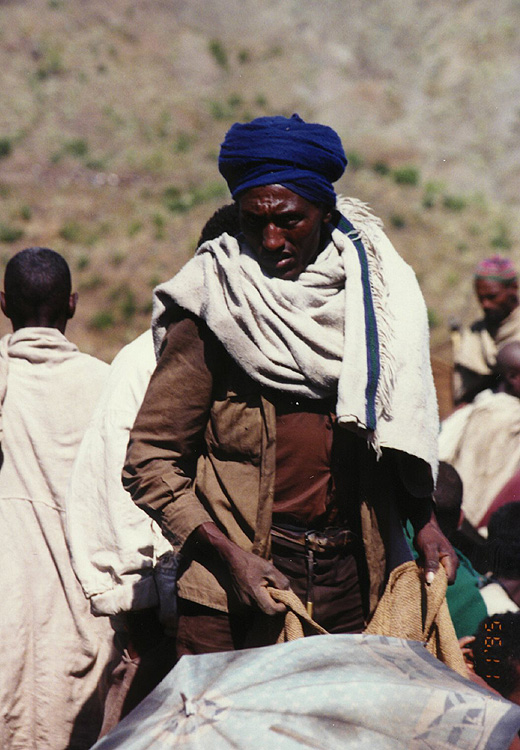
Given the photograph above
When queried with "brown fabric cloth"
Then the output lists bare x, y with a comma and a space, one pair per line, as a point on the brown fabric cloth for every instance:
410, 609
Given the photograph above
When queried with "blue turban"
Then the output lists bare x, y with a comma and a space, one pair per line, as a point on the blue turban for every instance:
302, 156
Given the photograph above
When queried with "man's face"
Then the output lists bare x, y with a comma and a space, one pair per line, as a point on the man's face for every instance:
283, 229
496, 299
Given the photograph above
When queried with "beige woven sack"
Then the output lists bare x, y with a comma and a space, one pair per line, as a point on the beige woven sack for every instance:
418, 612
408, 609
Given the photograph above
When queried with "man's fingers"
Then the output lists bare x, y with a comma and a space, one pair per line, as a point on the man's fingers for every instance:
432, 557
450, 566
267, 604
431, 562
277, 580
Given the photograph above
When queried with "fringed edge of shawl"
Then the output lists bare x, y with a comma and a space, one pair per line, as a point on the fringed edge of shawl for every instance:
367, 225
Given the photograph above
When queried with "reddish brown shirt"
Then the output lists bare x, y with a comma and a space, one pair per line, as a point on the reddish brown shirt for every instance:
304, 485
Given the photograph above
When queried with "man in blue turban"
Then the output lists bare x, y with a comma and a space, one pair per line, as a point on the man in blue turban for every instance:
291, 420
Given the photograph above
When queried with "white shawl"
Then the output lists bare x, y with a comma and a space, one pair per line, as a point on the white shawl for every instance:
355, 319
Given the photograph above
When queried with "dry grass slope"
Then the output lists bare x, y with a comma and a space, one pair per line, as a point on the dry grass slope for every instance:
112, 116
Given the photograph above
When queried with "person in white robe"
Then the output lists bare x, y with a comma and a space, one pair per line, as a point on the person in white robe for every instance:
54, 652
482, 439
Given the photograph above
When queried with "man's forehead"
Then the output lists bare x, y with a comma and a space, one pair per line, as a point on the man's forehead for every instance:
269, 198
490, 286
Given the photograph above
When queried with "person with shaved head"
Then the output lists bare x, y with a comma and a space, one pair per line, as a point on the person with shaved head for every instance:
54, 652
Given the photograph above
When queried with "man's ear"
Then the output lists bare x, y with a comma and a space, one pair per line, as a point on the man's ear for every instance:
3, 304
327, 216
73, 301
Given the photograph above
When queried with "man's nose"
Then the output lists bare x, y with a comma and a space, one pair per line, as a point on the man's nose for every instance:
273, 238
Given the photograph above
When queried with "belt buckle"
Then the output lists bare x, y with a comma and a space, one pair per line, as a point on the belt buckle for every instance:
318, 541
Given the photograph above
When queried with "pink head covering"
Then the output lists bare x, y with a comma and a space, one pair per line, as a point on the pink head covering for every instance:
496, 268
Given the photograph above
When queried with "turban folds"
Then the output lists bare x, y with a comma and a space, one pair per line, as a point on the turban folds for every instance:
496, 268
303, 157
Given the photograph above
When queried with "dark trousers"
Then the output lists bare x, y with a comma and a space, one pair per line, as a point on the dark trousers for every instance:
335, 592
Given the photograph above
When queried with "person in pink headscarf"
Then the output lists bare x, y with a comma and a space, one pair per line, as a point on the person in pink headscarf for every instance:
496, 287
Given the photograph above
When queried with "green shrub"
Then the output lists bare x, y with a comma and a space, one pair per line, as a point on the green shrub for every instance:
127, 305
92, 282
398, 221
244, 56
381, 168
407, 175
433, 318
25, 213
6, 147
134, 228
178, 201
501, 239
83, 262
97, 165
454, 202
71, 231
10, 234
76, 147
218, 111
102, 320
355, 160
159, 223
51, 63
431, 194
235, 100
219, 53
183, 143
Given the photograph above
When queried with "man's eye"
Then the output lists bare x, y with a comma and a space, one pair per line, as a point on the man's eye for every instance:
250, 221
289, 221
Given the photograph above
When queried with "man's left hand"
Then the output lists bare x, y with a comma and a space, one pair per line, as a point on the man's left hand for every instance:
435, 549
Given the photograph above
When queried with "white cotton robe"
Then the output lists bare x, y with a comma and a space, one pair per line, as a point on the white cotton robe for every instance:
53, 652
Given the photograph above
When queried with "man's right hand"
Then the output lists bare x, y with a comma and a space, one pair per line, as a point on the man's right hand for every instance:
250, 574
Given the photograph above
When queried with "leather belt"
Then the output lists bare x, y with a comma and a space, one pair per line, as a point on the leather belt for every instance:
317, 541
313, 542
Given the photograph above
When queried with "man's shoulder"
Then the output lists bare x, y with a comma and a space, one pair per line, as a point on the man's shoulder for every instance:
91, 366
509, 329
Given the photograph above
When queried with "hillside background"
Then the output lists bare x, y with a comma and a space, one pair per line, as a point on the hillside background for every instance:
111, 116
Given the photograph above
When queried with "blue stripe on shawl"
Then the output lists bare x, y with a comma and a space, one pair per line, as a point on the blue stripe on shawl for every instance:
371, 333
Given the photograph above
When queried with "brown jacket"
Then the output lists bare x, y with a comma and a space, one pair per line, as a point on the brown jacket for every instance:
203, 449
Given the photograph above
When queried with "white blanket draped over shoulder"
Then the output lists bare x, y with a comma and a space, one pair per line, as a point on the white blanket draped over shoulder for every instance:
354, 320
